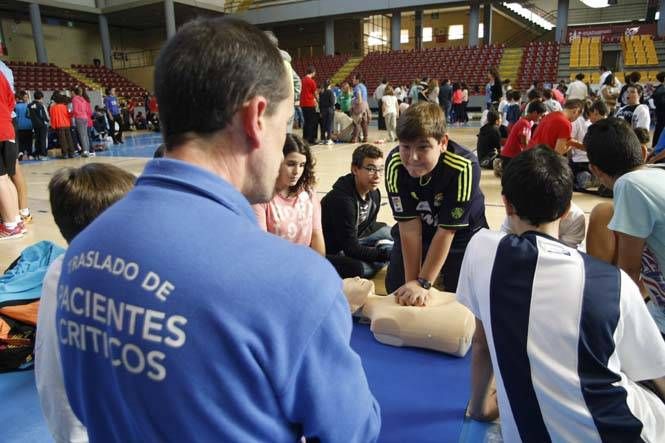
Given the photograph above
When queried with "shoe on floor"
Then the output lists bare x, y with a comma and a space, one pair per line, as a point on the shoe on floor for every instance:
8, 234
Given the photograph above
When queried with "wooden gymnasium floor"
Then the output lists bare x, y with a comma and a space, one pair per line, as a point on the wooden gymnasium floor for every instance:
331, 163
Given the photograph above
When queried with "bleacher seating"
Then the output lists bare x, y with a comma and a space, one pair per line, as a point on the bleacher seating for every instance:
326, 66
457, 64
539, 63
639, 50
44, 76
111, 79
585, 52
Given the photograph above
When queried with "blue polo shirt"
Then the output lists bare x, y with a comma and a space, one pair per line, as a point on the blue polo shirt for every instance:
179, 319
111, 104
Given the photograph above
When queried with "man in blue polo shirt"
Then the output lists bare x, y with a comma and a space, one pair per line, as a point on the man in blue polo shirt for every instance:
209, 329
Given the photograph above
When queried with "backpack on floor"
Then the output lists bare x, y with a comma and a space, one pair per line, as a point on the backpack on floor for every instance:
20, 291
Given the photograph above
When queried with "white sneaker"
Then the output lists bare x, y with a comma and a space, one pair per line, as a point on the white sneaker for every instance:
330, 142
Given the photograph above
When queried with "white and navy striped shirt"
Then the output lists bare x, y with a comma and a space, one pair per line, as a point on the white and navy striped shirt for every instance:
569, 336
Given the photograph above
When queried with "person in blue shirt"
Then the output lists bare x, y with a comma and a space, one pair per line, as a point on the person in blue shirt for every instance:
114, 116
24, 125
636, 218
172, 329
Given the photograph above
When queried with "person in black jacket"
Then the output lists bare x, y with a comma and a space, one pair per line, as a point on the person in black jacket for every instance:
446, 97
357, 245
658, 98
40, 120
496, 86
489, 140
327, 110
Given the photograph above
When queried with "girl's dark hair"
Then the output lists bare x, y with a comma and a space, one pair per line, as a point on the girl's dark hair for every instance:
307, 181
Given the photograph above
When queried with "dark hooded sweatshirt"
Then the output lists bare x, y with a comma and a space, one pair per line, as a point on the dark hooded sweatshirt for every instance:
340, 212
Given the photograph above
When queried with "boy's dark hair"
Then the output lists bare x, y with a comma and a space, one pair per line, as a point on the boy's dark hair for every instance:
365, 151
539, 184
338, 107
600, 107
613, 147
533, 95
537, 107
38, 94
208, 70
547, 94
424, 119
635, 76
79, 195
311, 69
492, 117
579, 76
661, 76
642, 135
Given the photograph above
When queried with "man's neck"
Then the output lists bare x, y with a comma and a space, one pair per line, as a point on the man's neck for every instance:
222, 163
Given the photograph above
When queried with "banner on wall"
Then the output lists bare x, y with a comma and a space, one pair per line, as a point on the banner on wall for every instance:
610, 33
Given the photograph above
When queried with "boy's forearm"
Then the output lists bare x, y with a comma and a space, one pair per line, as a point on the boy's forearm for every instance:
437, 254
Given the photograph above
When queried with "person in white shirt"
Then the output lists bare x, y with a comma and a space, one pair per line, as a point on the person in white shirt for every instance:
565, 337
579, 161
577, 89
77, 197
390, 112
550, 102
636, 114
604, 72
342, 126
378, 94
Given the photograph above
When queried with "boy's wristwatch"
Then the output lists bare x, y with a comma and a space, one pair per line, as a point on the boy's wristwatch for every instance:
424, 283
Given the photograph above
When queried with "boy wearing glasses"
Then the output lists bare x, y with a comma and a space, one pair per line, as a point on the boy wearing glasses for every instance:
357, 244
433, 190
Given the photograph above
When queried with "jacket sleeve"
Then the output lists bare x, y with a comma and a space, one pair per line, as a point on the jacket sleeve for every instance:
328, 393
346, 229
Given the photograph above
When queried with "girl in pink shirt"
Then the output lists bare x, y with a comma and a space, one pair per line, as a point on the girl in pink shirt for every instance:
82, 113
294, 213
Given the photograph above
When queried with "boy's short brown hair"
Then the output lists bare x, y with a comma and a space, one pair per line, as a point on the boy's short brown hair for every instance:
365, 151
422, 120
79, 195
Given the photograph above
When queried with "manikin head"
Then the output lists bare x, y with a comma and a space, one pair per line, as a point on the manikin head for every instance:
537, 187
367, 168
613, 149
357, 290
234, 126
423, 137
296, 172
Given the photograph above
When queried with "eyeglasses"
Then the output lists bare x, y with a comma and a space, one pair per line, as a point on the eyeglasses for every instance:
374, 171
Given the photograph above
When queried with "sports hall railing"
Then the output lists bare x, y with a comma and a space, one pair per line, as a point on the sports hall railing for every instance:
135, 59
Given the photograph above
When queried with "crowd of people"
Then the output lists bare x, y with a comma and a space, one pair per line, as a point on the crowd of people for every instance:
568, 346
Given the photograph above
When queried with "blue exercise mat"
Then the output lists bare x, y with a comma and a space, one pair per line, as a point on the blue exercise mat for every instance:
422, 394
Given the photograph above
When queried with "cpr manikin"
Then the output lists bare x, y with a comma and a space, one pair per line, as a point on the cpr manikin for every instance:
443, 325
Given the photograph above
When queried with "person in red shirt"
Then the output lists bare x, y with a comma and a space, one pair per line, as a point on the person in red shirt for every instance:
520, 134
555, 129
11, 227
61, 121
308, 106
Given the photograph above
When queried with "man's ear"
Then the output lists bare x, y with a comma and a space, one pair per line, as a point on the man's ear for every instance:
253, 124
354, 169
